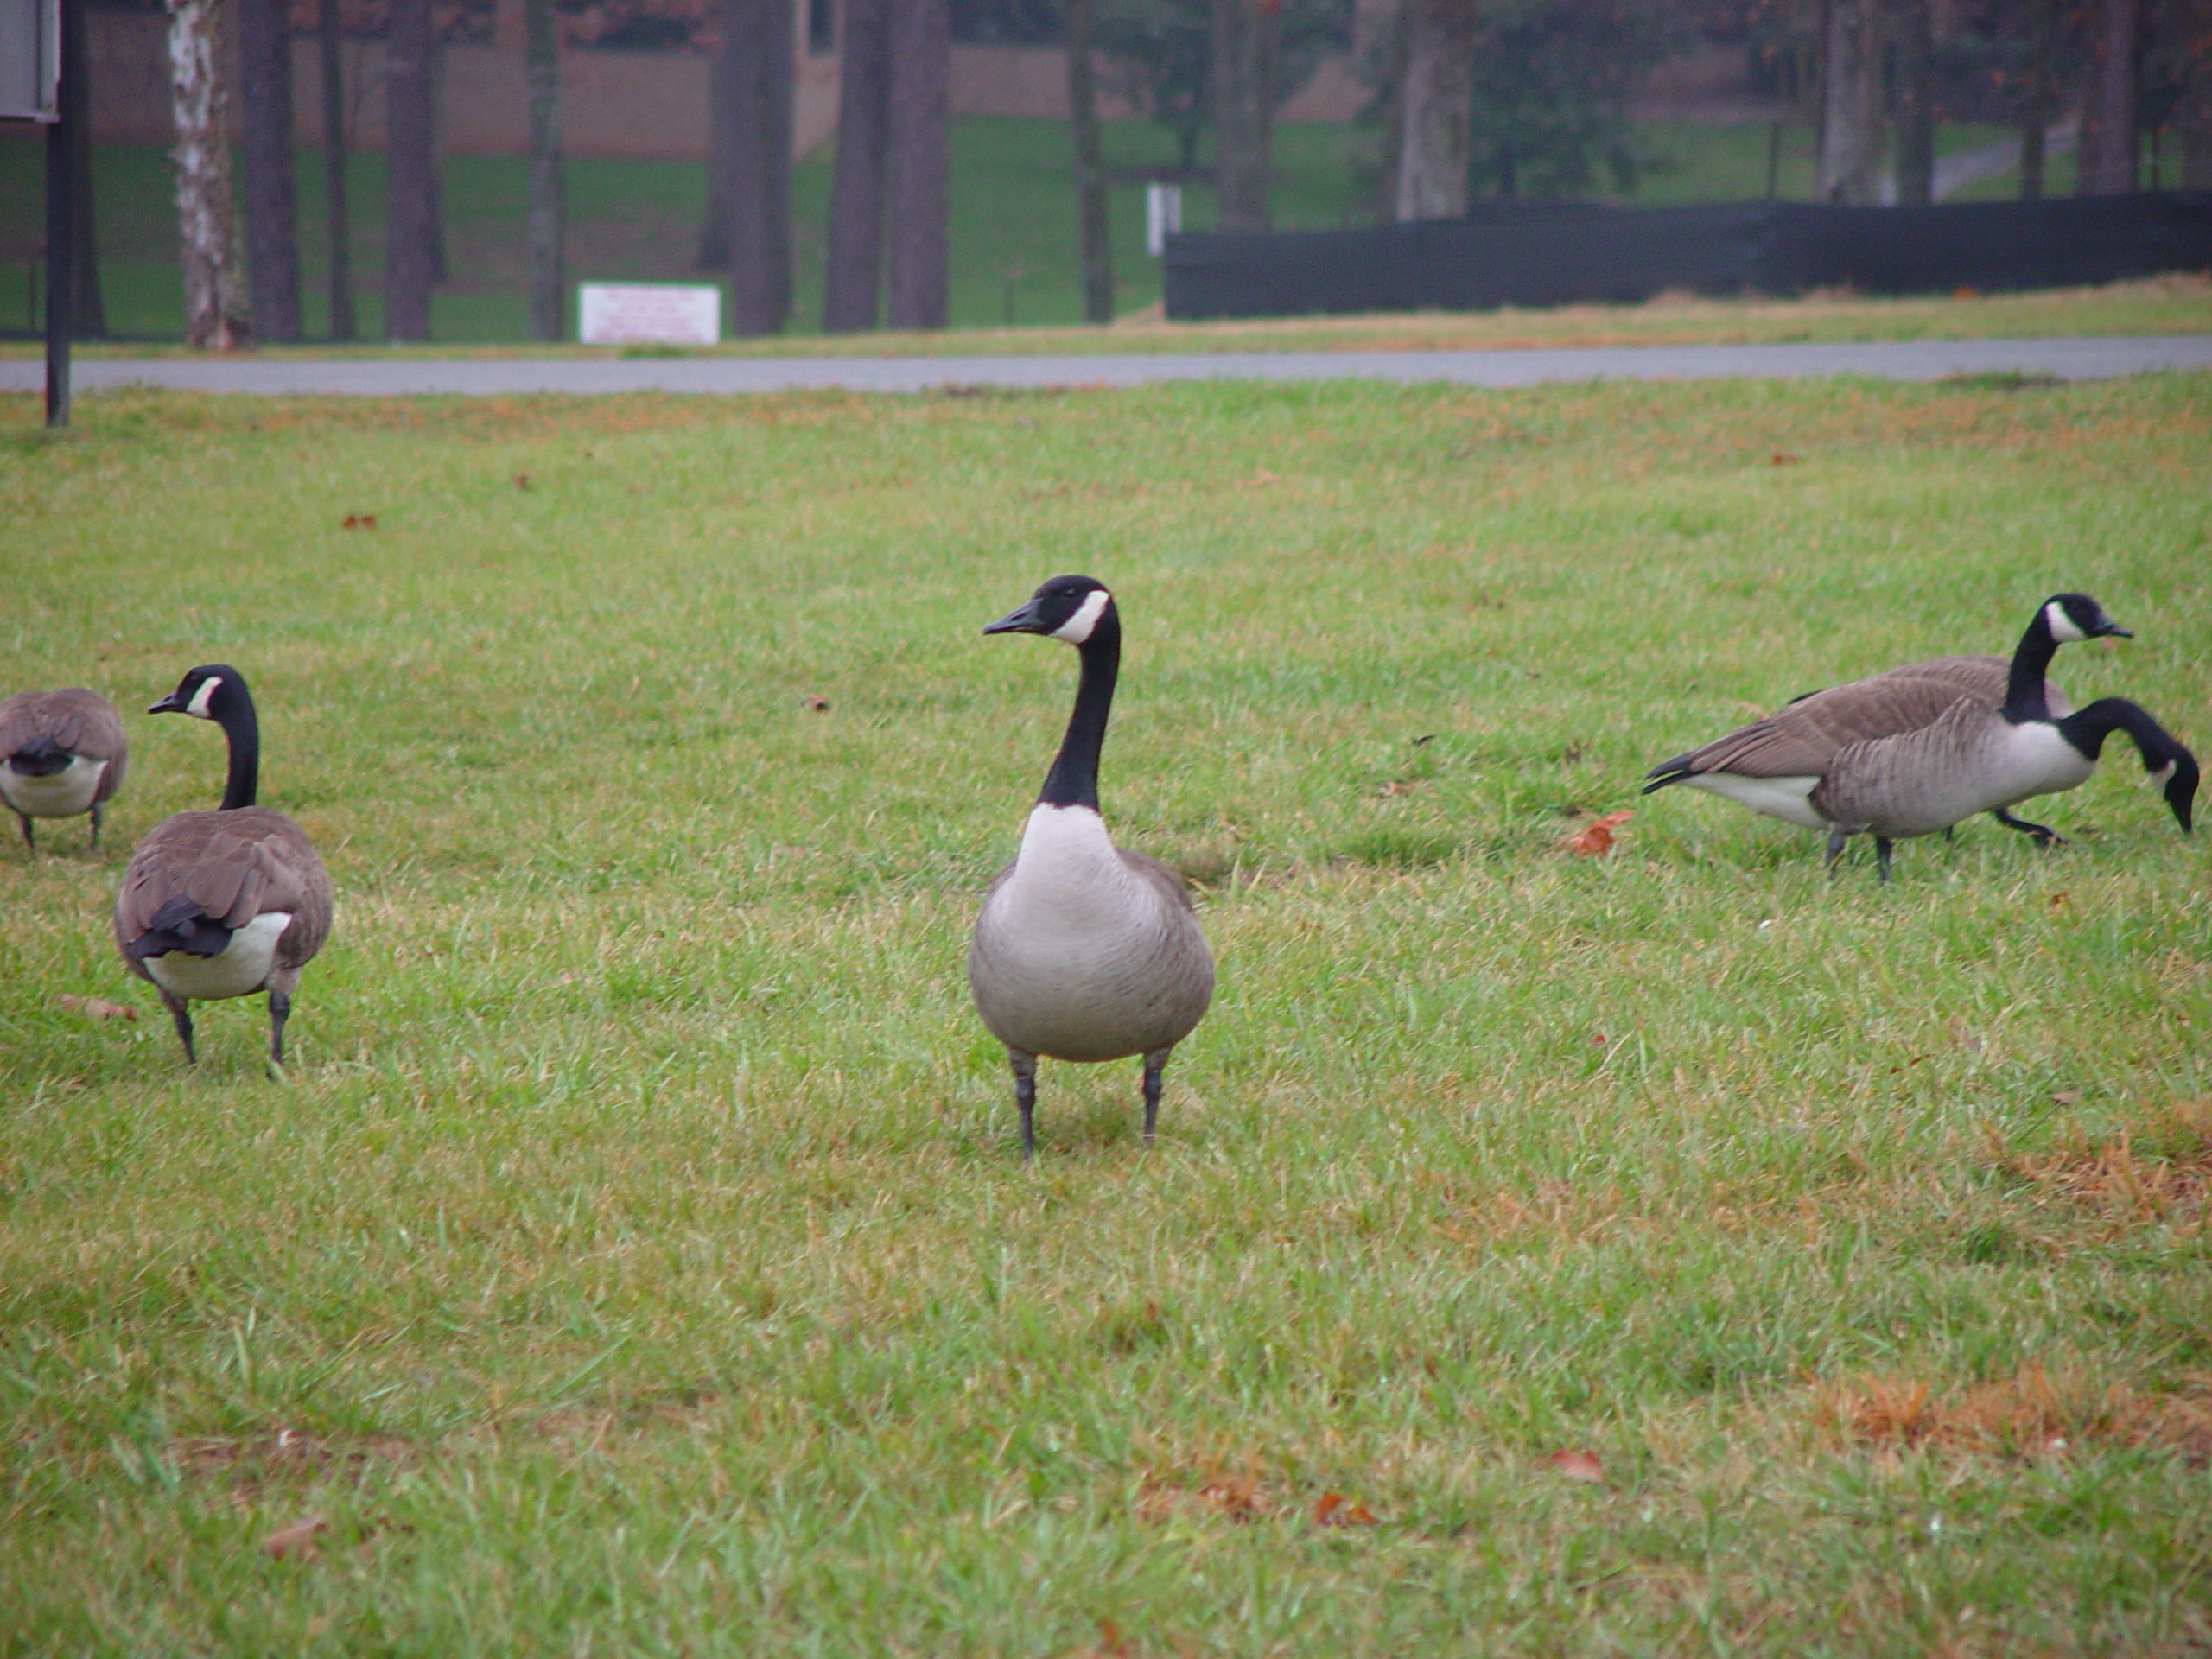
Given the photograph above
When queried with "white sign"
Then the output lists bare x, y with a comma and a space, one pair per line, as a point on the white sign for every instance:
1163, 216
649, 314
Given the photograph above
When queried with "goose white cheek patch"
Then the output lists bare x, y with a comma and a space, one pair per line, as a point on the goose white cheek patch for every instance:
2062, 625
1077, 628
198, 707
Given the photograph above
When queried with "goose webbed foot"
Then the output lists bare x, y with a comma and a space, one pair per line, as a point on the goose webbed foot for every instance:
2043, 834
1155, 1064
1024, 1098
181, 1016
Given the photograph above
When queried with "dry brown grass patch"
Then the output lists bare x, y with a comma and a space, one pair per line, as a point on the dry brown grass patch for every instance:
254, 1461
2168, 1179
2034, 1412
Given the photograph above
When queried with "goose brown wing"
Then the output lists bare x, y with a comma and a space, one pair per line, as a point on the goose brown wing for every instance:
1804, 739
233, 865
1985, 678
77, 718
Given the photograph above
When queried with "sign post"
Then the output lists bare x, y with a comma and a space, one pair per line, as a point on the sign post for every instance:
32, 89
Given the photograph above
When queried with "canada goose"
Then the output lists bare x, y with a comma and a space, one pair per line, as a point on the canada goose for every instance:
224, 903
1082, 951
61, 753
1916, 749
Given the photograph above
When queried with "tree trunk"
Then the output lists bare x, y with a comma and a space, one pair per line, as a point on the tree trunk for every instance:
1089, 165
272, 215
548, 276
2041, 98
856, 259
2108, 160
435, 228
215, 302
1851, 134
1245, 35
88, 316
758, 45
2193, 116
723, 77
337, 224
921, 62
1438, 94
410, 160
1915, 71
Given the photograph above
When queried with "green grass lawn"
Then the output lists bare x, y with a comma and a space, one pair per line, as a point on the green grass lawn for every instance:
1013, 247
1677, 1251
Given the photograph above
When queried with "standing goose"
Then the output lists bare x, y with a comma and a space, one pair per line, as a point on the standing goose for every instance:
61, 753
1082, 951
1774, 765
224, 903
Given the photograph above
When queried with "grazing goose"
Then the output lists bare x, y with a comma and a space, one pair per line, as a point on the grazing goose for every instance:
1082, 951
1772, 765
224, 903
61, 753
1916, 749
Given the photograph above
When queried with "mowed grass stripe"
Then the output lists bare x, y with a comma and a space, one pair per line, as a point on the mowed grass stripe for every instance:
638, 1258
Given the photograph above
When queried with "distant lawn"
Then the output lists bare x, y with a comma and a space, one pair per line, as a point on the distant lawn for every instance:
1679, 1252
1013, 255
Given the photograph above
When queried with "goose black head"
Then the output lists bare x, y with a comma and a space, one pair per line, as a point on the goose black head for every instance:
206, 693
1065, 608
2178, 772
2077, 616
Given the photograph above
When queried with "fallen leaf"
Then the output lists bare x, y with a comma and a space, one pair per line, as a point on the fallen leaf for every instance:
1335, 1509
1398, 787
2066, 1097
296, 1540
1595, 838
1781, 460
2058, 901
358, 521
94, 1007
1576, 1465
816, 702
523, 480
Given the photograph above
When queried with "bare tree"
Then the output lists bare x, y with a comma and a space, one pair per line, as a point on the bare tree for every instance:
2041, 93
2194, 112
856, 259
2108, 164
1436, 110
1851, 103
87, 315
1090, 164
337, 226
1246, 36
917, 163
755, 71
1915, 102
214, 297
272, 215
548, 276
410, 160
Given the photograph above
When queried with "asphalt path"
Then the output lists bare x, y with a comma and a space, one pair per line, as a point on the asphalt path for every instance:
2067, 359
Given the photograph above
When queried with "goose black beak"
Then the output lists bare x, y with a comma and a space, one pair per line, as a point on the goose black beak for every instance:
1021, 620
2113, 631
172, 704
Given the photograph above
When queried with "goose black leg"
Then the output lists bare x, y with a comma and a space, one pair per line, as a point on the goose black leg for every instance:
1155, 1064
2044, 834
1837, 841
1025, 1097
1882, 857
181, 1015
96, 827
279, 1010
25, 820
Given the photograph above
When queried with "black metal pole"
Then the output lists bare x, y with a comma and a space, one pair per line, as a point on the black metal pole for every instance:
60, 276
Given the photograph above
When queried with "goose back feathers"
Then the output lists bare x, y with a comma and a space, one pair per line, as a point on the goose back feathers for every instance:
61, 753
1082, 951
226, 903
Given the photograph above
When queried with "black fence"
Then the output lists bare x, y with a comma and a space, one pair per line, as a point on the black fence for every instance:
1562, 253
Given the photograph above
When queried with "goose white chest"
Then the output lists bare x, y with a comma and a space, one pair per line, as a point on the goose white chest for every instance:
60, 794
241, 969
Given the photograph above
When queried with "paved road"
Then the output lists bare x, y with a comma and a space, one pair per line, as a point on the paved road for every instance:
2070, 359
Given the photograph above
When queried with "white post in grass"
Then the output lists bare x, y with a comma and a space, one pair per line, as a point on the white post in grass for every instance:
1163, 214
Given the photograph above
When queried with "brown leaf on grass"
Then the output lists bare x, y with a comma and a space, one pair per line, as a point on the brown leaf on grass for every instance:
2057, 901
1781, 460
1576, 1465
94, 1007
1335, 1509
1595, 839
358, 521
1399, 786
524, 480
296, 1542
816, 700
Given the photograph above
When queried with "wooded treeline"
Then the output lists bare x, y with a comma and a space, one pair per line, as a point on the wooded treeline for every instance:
1471, 98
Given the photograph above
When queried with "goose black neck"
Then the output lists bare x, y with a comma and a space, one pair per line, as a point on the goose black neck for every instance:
2024, 698
2087, 729
243, 727
1073, 780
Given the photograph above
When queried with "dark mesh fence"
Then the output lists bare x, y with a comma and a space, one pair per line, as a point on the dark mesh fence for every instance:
1535, 253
